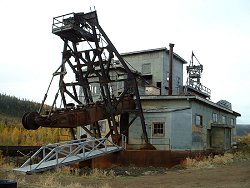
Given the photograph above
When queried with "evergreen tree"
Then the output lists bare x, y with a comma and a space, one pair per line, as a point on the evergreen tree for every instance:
13, 106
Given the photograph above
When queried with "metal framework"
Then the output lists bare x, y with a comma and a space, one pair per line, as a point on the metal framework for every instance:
65, 153
194, 78
90, 56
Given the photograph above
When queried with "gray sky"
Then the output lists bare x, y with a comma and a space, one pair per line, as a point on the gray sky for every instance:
218, 31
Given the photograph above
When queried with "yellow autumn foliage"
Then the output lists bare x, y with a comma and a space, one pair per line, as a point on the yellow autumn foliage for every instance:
19, 136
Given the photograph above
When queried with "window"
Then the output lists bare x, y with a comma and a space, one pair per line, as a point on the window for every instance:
147, 79
232, 121
158, 84
223, 119
215, 117
198, 120
158, 129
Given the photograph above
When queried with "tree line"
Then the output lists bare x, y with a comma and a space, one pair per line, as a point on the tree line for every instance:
11, 130
13, 106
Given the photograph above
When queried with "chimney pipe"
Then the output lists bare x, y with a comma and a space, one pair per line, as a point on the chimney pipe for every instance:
170, 81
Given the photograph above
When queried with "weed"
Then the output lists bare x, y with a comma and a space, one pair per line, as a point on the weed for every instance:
49, 181
246, 149
223, 159
6, 166
65, 170
78, 185
98, 173
75, 185
210, 161
11, 175
105, 186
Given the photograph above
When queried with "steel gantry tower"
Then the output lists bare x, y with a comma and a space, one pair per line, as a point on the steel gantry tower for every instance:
90, 56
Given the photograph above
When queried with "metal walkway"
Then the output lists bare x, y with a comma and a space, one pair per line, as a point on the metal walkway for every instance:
65, 153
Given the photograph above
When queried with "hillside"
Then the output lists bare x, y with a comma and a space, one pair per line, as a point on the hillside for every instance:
242, 130
12, 132
13, 106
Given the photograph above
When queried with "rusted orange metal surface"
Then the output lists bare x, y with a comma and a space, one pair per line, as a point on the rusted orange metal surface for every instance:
141, 158
72, 117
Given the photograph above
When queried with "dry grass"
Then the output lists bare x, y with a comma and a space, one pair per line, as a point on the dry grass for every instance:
78, 185
7, 168
75, 185
54, 178
4, 165
211, 161
99, 173
70, 171
49, 181
244, 139
67, 170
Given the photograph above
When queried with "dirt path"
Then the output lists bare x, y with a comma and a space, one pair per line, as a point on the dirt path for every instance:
232, 175
236, 174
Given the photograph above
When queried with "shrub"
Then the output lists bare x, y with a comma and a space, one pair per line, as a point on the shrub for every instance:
211, 161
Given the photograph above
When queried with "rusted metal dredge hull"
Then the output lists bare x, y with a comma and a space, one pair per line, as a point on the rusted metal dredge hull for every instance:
72, 117
142, 158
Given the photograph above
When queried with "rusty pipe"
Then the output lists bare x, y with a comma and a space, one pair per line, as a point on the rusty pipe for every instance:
170, 81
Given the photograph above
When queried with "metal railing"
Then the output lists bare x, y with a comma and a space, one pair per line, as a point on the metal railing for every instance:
64, 153
198, 87
62, 22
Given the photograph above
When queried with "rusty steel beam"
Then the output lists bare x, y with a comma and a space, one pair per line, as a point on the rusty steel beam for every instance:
72, 117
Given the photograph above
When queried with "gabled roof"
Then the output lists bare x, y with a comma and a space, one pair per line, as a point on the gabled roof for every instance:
154, 50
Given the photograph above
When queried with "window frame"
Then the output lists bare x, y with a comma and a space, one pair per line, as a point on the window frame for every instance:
200, 124
223, 119
232, 121
158, 131
215, 117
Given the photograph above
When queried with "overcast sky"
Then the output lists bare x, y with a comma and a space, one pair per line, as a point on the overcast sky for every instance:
218, 31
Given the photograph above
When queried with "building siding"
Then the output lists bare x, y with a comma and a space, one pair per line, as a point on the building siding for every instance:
159, 61
181, 139
201, 134
178, 112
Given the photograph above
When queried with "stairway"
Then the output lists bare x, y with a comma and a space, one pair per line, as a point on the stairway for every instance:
65, 153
